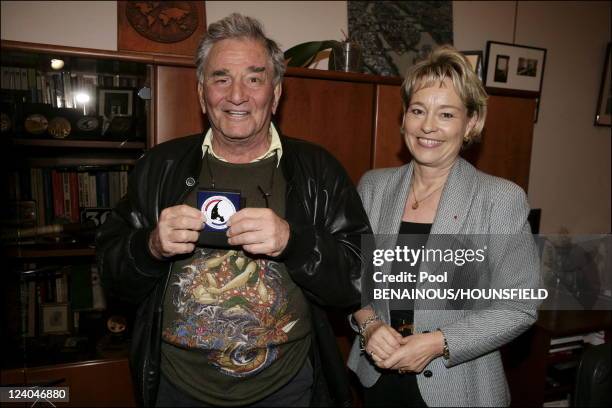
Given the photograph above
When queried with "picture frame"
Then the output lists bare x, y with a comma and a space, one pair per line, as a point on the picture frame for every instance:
515, 70
475, 60
114, 102
603, 116
55, 318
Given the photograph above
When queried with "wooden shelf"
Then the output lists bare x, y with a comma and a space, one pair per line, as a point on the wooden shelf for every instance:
47, 251
78, 161
91, 144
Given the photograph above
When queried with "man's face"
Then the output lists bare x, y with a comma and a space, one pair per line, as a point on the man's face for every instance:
237, 92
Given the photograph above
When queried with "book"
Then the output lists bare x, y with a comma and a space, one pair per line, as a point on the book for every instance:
93, 190
61, 287
23, 82
566, 348
82, 181
567, 339
75, 214
66, 194
114, 187
38, 194
123, 185
48, 195
102, 193
31, 75
39, 87
58, 194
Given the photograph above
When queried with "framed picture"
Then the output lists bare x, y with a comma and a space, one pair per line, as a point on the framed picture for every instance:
55, 318
512, 69
115, 102
475, 60
603, 117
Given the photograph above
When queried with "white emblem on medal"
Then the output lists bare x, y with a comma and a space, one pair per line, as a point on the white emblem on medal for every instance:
218, 210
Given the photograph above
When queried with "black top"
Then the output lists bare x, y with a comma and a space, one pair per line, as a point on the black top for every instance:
414, 228
412, 235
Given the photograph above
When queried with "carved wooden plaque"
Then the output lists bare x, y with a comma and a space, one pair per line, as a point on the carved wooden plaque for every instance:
161, 27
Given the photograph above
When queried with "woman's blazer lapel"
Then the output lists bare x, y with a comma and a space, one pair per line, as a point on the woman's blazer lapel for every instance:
394, 197
456, 200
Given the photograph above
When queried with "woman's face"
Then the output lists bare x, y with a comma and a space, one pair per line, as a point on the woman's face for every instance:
435, 124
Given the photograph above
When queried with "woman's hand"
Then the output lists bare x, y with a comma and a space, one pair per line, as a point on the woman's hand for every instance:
415, 352
381, 341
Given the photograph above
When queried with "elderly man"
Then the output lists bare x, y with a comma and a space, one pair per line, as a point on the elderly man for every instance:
236, 321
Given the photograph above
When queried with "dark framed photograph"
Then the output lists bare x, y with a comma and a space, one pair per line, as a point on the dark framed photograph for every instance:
114, 102
603, 117
512, 69
475, 60
55, 318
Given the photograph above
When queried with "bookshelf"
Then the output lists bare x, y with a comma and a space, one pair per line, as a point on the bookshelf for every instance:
69, 139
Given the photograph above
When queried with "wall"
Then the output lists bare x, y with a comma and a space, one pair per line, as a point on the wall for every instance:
570, 162
87, 24
289, 22
570, 168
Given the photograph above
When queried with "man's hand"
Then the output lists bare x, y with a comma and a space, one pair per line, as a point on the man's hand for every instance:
177, 231
258, 231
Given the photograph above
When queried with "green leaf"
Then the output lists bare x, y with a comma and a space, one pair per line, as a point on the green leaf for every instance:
235, 300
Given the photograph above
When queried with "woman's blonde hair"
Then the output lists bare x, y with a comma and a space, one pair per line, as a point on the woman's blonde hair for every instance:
446, 62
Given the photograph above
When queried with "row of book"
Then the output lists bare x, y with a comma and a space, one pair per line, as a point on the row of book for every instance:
60, 194
59, 88
50, 295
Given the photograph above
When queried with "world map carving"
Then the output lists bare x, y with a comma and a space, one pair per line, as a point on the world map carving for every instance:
163, 21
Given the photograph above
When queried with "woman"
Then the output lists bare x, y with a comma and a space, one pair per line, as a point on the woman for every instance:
446, 357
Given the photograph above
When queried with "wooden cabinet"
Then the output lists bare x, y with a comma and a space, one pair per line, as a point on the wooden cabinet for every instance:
357, 118
175, 104
98, 383
337, 115
505, 148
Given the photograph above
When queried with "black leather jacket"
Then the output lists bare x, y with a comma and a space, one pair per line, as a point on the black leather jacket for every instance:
322, 256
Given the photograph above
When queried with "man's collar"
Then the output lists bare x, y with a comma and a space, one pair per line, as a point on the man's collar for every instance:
275, 146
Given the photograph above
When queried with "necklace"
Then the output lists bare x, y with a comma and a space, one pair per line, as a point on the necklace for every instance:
415, 205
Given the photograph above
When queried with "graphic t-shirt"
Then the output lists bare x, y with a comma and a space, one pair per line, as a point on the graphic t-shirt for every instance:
236, 327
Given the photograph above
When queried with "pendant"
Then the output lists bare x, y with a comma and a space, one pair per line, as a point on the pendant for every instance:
415, 205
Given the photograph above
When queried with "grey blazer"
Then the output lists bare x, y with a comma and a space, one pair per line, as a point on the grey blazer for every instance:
471, 203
